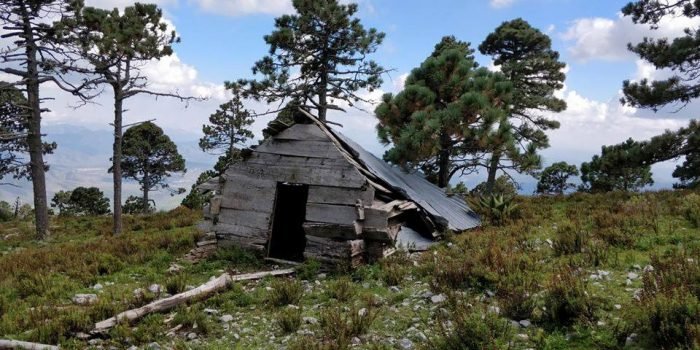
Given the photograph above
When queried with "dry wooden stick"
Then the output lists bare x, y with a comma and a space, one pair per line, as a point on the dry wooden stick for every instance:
17, 344
220, 283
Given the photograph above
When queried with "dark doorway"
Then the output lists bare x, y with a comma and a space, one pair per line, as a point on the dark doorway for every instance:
288, 240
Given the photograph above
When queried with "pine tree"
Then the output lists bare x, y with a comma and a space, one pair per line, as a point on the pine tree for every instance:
554, 179
317, 56
150, 157
525, 56
116, 44
448, 116
616, 170
13, 135
34, 58
679, 55
228, 130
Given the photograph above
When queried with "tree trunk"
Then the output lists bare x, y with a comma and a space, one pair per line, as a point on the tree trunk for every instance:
146, 187
493, 169
322, 98
36, 154
116, 161
444, 162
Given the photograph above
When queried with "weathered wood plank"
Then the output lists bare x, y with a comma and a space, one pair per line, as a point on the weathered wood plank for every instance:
302, 148
252, 200
330, 230
309, 132
327, 247
248, 218
293, 161
236, 180
378, 250
386, 234
242, 231
331, 214
346, 176
339, 195
226, 241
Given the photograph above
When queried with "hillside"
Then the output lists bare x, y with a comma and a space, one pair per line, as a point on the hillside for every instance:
609, 271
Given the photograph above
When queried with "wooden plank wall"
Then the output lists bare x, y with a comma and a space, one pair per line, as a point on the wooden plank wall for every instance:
301, 154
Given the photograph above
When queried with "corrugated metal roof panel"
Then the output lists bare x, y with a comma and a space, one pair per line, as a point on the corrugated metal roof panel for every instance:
448, 211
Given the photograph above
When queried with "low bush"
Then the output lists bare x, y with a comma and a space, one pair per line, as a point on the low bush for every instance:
289, 319
472, 329
567, 299
285, 292
569, 239
341, 289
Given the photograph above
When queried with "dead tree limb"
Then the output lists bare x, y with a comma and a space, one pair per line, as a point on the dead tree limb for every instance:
220, 283
17, 344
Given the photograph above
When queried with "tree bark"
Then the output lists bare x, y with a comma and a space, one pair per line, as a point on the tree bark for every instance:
116, 161
444, 161
322, 98
17, 344
36, 151
493, 169
146, 188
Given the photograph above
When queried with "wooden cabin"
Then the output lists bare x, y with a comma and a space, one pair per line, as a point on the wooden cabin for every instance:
310, 192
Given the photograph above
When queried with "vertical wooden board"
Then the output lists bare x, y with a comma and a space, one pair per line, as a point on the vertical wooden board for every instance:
308, 132
331, 214
340, 195
255, 219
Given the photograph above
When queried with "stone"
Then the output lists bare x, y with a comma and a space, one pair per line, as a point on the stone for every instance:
525, 323
362, 312
631, 339
356, 341
648, 268
174, 268
406, 344
632, 276
154, 288
321, 276
84, 299
97, 286
494, 309
211, 311
226, 318
153, 346
523, 336
191, 335
310, 320
436, 299
394, 289
427, 294
618, 306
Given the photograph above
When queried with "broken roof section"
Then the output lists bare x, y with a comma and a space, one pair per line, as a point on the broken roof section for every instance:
446, 212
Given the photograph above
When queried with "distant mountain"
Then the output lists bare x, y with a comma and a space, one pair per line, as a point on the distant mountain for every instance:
83, 157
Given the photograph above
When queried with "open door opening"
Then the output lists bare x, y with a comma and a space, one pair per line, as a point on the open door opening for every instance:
288, 239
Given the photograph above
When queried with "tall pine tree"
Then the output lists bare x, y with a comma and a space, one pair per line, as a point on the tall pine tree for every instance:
681, 55
317, 56
448, 117
525, 56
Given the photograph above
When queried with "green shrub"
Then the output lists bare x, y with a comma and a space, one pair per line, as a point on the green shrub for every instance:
515, 295
691, 209
194, 319
285, 292
176, 284
569, 239
341, 326
308, 270
289, 319
496, 209
341, 289
567, 299
473, 329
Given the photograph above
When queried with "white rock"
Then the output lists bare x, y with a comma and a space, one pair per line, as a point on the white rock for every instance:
618, 306
648, 268
211, 311
310, 320
394, 289
525, 323
632, 276
356, 341
631, 339
436, 299
84, 299
153, 346
154, 288
362, 312
226, 318
494, 309
523, 336
406, 344
191, 335
427, 294
97, 286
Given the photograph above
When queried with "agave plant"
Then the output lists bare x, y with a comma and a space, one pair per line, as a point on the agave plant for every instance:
497, 209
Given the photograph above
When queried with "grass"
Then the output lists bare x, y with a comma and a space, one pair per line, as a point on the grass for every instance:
612, 271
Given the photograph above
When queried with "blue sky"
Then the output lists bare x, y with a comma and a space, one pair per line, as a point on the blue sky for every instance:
221, 40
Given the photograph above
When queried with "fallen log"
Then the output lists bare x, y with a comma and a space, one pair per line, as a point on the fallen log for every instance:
220, 283
17, 344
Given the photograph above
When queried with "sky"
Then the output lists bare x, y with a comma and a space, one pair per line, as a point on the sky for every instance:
222, 39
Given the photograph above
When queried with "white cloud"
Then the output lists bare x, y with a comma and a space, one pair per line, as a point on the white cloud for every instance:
605, 38
501, 3
245, 7
399, 83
